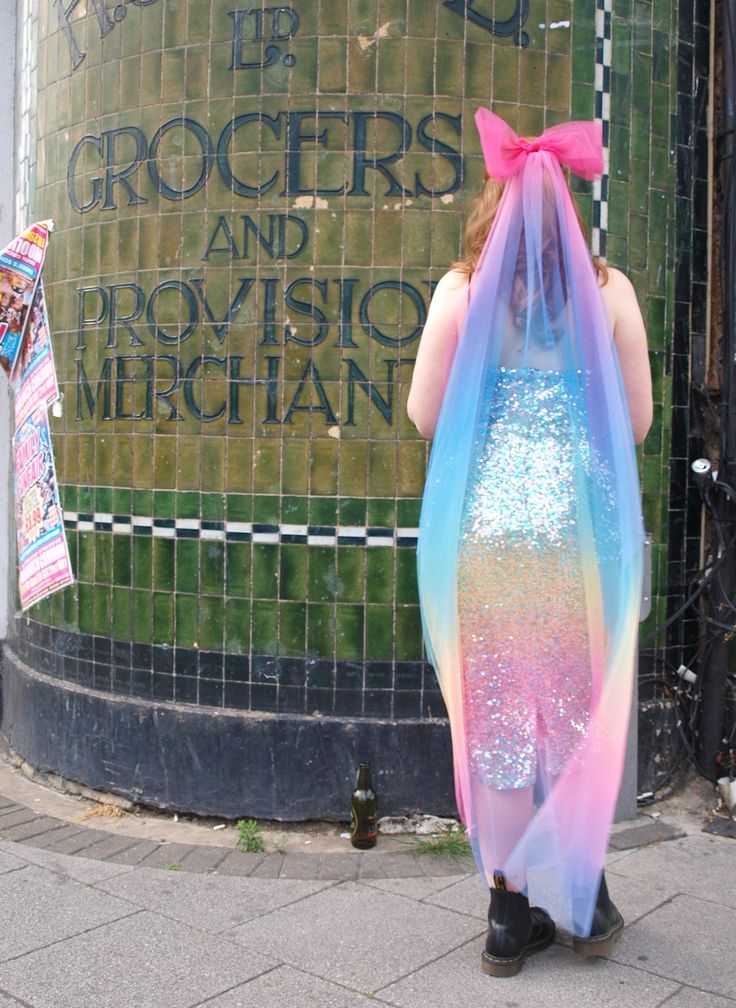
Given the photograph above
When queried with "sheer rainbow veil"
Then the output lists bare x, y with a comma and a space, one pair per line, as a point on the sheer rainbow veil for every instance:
536, 270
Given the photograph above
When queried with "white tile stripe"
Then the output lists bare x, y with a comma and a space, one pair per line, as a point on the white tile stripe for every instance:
604, 10
293, 529
128, 525
265, 537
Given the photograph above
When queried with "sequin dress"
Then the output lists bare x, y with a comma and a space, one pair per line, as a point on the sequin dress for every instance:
521, 598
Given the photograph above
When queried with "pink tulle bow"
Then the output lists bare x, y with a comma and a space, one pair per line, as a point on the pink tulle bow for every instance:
578, 144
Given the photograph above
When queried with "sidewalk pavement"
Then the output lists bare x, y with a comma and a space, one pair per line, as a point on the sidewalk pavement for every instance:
93, 919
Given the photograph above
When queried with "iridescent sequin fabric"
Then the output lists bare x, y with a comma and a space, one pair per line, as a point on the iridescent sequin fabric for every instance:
521, 597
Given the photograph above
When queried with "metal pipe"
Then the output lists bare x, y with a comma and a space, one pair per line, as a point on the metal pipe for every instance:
710, 727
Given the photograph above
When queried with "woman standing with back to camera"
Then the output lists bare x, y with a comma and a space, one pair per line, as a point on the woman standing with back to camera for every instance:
533, 380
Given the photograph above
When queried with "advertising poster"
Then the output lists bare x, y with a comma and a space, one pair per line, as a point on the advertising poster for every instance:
27, 357
43, 556
36, 383
20, 269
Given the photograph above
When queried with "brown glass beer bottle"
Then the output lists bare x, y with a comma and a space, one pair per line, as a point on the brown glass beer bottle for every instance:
364, 823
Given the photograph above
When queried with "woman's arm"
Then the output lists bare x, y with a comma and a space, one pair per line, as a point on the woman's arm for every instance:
436, 351
630, 338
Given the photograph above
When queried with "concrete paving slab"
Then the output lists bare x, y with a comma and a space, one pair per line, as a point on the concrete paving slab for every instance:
437, 866
356, 935
15, 786
413, 888
721, 826
700, 864
204, 859
612, 857
216, 903
8, 861
142, 824
300, 866
135, 854
54, 837
340, 867
11, 806
466, 897
79, 868
371, 868
143, 960
167, 854
686, 997
38, 907
8, 1002
269, 866
39, 827
635, 897
14, 817
645, 833
640, 816
108, 846
402, 866
239, 863
289, 988
687, 940
73, 843
552, 978
151, 824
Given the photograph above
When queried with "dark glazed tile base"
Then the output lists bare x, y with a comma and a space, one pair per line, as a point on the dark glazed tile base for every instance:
214, 761
250, 682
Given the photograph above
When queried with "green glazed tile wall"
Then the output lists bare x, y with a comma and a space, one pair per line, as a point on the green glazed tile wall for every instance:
243, 353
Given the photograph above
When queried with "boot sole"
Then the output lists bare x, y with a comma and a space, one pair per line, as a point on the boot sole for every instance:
510, 967
601, 945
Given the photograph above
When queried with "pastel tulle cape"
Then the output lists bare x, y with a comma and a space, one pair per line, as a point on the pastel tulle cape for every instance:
535, 305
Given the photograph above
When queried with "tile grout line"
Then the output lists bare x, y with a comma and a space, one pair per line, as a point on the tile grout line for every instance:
684, 892
641, 917
669, 997
430, 962
661, 976
237, 986
17, 999
283, 906
692, 987
11, 871
369, 997
68, 937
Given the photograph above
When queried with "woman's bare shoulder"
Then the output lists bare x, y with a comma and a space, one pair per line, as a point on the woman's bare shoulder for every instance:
617, 282
618, 295
453, 280
450, 291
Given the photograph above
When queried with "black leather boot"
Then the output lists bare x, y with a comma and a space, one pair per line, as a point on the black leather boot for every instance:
606, 926
515, 931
